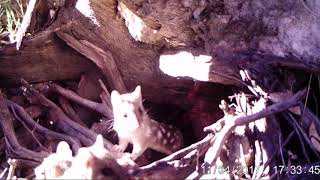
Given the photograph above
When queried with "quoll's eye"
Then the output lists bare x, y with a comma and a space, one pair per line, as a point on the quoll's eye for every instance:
125, 115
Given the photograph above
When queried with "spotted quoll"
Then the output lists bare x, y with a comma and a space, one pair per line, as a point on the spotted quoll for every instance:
133, 125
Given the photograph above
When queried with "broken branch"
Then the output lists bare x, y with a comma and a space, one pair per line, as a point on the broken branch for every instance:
230, 124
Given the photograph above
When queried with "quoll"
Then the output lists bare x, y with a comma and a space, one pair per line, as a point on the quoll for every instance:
133, 125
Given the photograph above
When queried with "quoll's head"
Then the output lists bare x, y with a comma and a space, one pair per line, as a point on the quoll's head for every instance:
127, 108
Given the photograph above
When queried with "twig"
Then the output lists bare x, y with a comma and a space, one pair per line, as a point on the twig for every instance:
86, 136
105, 95
67, 108
309, 118
201, 146
99, 107
287, 140
316, 104
258, 160
12, 168
229, 77
27, 128
3, 173
14, 149
176, 161
305, 136
25, 23
221, 137
298, 130
42, 130
70, 127
281, 153
306, 101
276, 153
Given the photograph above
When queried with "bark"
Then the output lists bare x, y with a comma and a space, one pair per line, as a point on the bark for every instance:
191, 25
41, 58
149, 43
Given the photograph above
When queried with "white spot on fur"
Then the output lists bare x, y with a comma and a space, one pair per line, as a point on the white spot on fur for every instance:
159, 134
162, 129
168, 134
165, 141
149, 132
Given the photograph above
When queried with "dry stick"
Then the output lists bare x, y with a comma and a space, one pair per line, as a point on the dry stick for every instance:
305, 136
12, 168
200, 146
67, 108
175, 169
25, 23
316, 103
3, 172
99, 107
258, 159
222, 136
281, 153
42, 130
28, 129
14, 149
308, 118
306, 101
63, 121
197, 149
276, 153
105, 95
85, 135
298, 131
108, 66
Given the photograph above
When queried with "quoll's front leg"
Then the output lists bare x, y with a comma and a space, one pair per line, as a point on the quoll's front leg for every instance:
137, 151
123, 144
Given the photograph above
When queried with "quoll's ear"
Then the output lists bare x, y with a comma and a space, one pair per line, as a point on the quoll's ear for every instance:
137, 93
63, 149
115, 98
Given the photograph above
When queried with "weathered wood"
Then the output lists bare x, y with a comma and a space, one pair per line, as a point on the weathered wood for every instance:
230, 124
206, 26
14, 149
63, 122
88, 88
68, 109
103, 59
246, 59
99, 107
148, 22
41, 58
137, 63
42, 130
